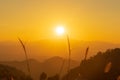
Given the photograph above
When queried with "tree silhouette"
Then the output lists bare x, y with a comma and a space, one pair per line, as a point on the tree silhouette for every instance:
43, 76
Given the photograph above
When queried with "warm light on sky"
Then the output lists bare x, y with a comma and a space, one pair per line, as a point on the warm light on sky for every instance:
88, 20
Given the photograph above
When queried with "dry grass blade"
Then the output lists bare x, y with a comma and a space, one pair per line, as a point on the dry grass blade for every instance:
22, 45
86, 53
24, 48
69, 59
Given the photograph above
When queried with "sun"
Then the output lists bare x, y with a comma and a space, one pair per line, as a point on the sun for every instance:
60, 30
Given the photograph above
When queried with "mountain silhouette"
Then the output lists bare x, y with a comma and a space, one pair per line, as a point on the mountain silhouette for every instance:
51, 66
103, 66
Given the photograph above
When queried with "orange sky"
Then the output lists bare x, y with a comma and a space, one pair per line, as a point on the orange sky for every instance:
88, 20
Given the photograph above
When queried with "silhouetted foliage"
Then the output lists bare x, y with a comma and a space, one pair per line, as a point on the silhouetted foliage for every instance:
9, 73
103, 66
43, 76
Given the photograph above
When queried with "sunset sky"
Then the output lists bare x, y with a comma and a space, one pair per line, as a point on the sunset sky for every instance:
87, 20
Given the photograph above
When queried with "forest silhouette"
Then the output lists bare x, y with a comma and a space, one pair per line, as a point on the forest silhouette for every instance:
103, 66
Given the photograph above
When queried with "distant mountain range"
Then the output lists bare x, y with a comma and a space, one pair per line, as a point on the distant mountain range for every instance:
50, 66
40, 52
44, 49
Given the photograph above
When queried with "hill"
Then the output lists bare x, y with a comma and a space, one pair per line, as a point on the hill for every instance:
51, 66
8, 73
103, 66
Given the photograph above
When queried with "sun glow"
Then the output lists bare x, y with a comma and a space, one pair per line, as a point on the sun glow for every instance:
60, 30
